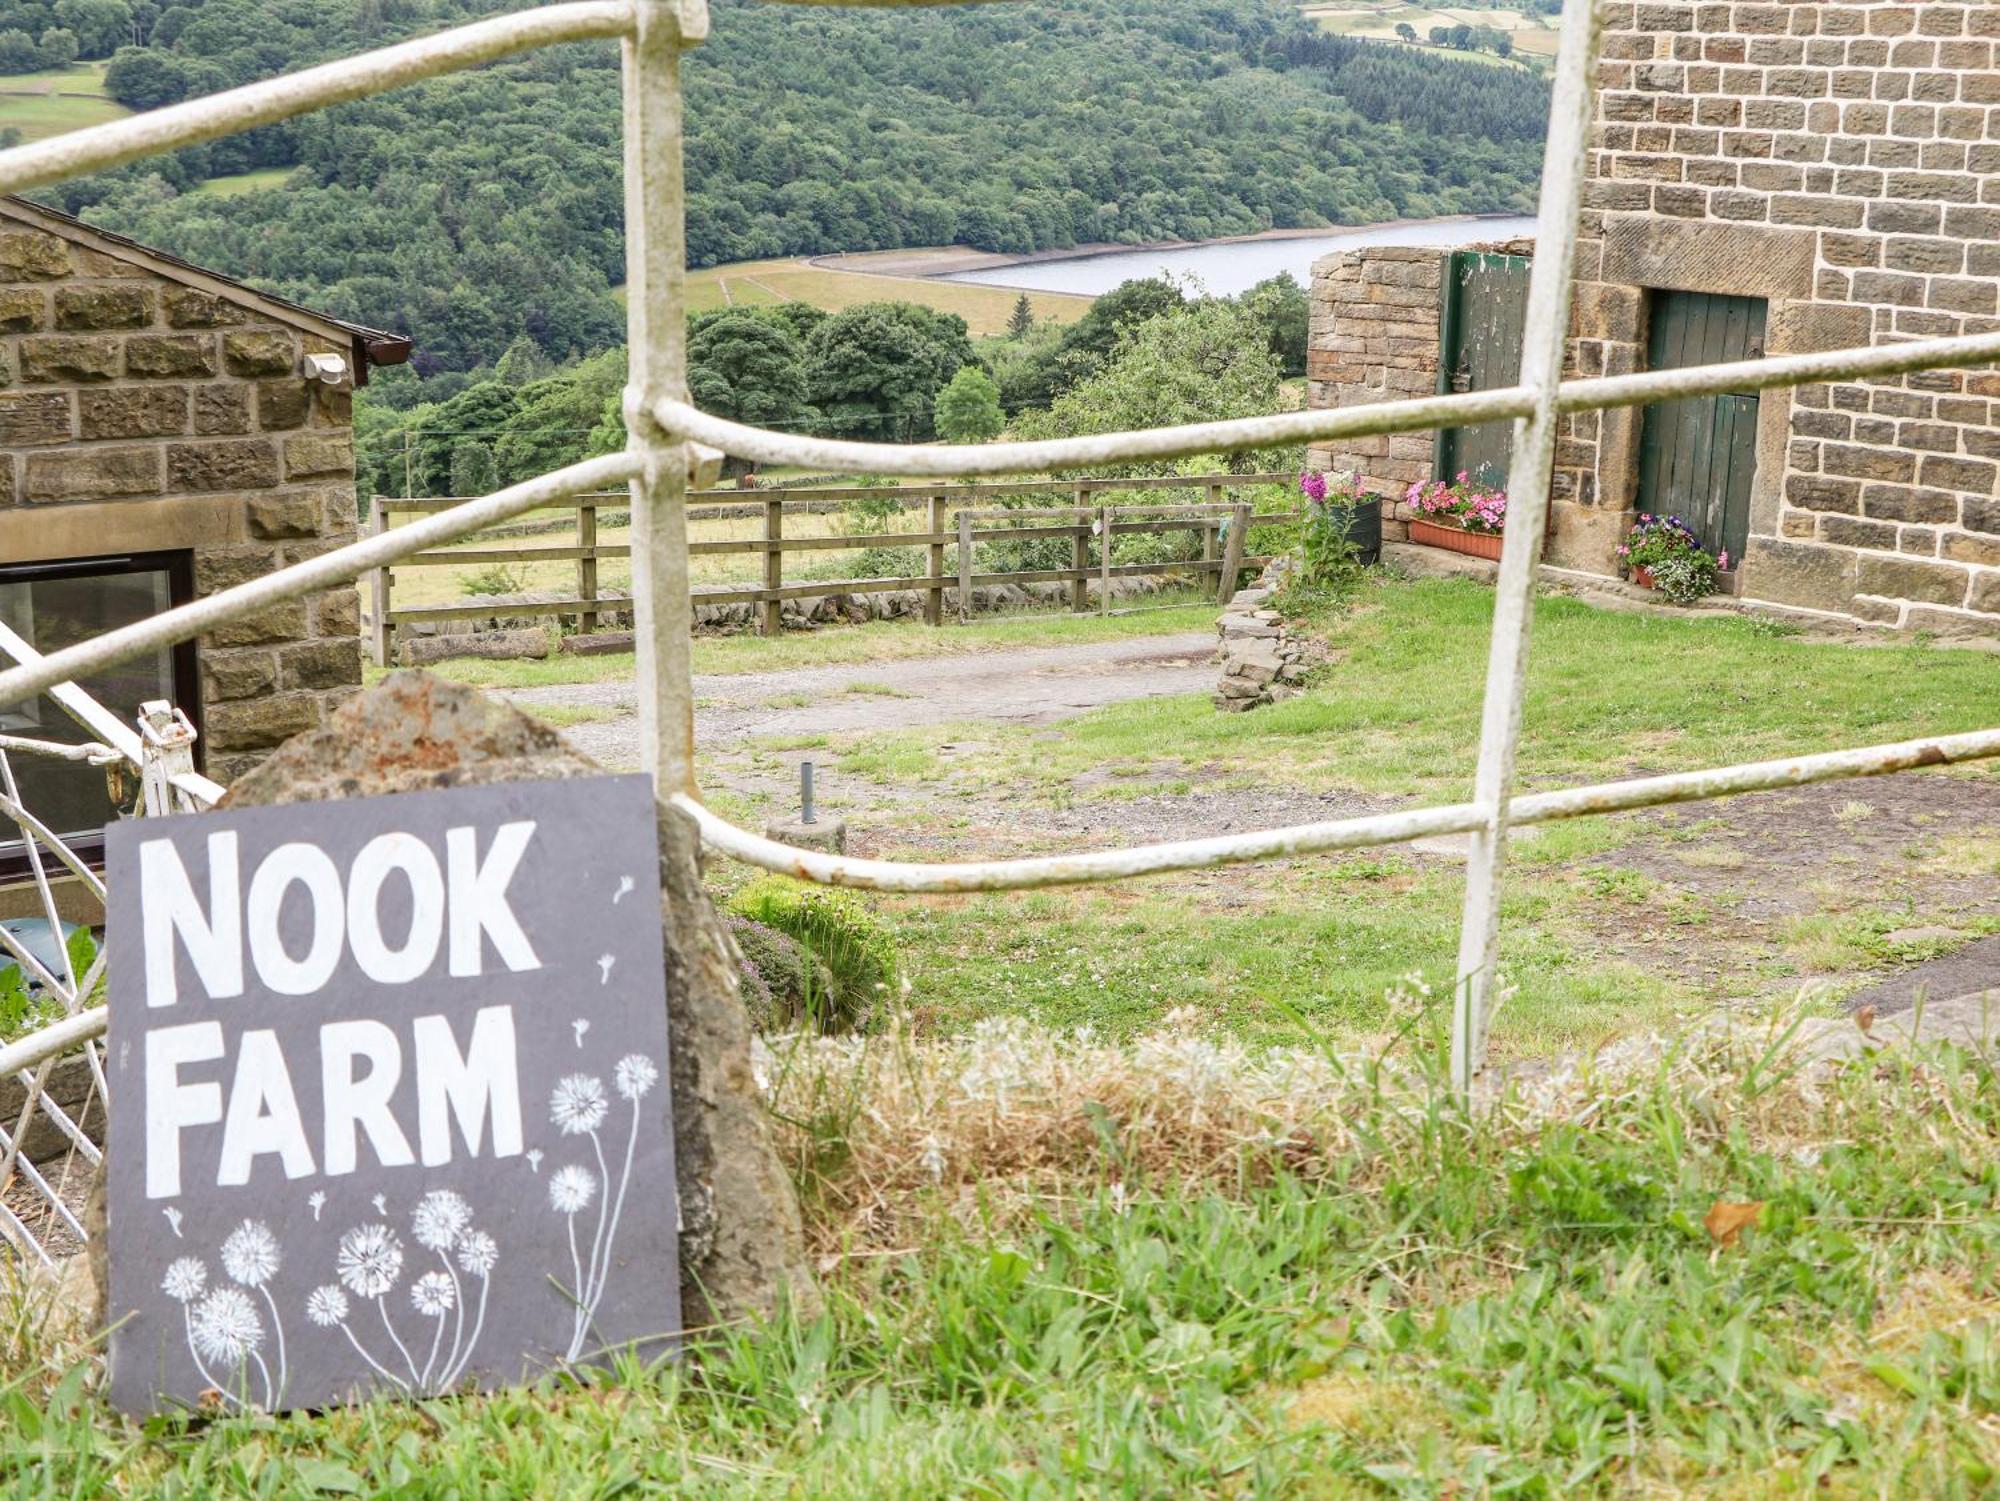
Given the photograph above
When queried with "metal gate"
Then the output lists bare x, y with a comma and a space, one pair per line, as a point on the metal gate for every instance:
1698, 455
1482, 309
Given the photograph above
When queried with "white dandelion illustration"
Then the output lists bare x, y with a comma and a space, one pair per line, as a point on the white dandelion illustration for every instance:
477, 1253
226, 1326
534, 1159
250, 1256
432, 1295
580, 1026
577, 1107
173, 1220
635, 1075
185, 1279
604, 963
369, 1259
316, 1201
327, 1306
626, 885
441, 1216
571, 1189
381, 1204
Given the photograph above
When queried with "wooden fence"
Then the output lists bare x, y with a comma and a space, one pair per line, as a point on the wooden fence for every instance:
949, 523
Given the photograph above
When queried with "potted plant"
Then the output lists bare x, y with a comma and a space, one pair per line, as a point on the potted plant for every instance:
1463, 516
1339, 517
1661, 553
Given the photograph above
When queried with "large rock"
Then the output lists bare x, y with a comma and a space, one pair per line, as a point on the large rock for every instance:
741, 1242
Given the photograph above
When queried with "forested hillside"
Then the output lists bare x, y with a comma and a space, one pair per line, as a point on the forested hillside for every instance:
473, 210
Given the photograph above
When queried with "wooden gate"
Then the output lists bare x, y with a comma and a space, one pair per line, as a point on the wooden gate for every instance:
1483, 306
1698, 456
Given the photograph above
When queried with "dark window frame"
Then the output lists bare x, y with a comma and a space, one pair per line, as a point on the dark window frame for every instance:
178, 566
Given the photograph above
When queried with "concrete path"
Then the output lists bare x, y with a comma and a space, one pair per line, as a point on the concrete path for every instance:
1031, 686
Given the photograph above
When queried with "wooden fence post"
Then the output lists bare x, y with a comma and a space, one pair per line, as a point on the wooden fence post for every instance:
1232, 555
1211, 535
934, 597
773, 609
586, 564
1079, 558
965, 567
380, 641
1104, 515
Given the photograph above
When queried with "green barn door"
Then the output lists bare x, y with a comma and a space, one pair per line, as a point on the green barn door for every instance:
1480, 317
1697, 457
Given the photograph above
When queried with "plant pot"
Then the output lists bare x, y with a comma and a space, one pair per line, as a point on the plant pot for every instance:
1456, 539
1642, 577
1364, 529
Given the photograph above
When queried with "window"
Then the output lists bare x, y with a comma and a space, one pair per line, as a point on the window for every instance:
53, 605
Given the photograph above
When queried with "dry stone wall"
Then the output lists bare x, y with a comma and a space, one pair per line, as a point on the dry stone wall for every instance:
139, 414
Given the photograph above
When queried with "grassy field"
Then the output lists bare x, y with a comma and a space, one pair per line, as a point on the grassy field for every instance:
46, 104
1534, 36
984, 309
246, 182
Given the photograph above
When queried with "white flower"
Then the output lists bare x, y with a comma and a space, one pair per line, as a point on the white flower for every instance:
571, 1188
432, 1295
250, 1254
185, 1279
369, 1260
578, 1104
477, 1253
442, 1215
327, 1306
635, 1075
226, 1327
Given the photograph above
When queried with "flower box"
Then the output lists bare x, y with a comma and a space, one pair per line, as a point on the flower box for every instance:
1456, 539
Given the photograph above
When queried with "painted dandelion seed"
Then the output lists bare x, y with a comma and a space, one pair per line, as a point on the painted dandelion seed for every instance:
442, 1215
226, 1326
433, 1295
316, 1201
327, 1306
250, 1254
534, 1159
185, 1279
369, 1260
571, 1189
578, 1104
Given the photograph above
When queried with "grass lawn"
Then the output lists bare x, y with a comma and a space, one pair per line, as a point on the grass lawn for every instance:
984, 309
1612, 925
245, 182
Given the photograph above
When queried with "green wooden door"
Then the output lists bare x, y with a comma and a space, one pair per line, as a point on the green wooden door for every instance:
1482, 310
1697, 457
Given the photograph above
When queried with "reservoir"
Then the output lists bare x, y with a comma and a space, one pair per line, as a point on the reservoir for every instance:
1227, 267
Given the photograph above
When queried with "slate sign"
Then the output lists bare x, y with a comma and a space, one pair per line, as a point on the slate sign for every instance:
389, 1103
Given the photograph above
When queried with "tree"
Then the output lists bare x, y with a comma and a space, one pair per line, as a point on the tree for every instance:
1461, 37
1406, 31
140, 79
58, 49
748, 369
1022, 319
1281, 306
473, 471
1205, 362
968, 409
1504, 47
1440, 36
99, 25
874, 369
18, 52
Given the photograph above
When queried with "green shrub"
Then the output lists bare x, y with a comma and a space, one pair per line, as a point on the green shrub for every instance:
856, 961
498, 579
780, 978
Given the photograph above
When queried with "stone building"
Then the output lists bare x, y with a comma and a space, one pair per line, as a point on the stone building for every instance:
1766, 178
166, 432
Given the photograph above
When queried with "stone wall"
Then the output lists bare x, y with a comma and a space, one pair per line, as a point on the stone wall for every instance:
1838, 159
1374, 337
140, 413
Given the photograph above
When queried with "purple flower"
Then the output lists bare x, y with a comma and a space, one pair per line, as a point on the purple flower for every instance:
1312, 484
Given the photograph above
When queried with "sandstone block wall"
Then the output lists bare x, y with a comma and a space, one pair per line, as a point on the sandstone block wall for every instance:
1840, 158
141, 414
